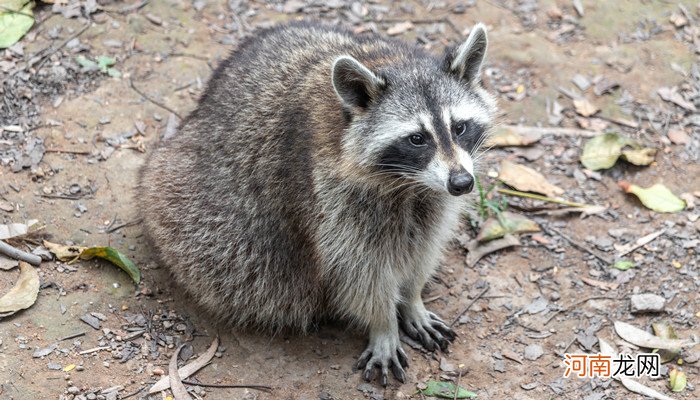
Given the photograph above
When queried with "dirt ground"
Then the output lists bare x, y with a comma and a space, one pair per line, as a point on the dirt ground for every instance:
545, 295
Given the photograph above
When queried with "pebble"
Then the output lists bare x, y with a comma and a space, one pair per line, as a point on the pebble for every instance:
533, 352
73, 390
646, 302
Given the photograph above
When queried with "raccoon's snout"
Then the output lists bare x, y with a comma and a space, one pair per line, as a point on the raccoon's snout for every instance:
460, 182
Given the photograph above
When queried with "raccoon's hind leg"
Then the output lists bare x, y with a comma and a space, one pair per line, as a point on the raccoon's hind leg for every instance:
420, 324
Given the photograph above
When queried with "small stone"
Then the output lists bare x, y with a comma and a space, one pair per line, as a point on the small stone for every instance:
581, 81
646, 302
533, 352
499, 366
91, 320
73, 390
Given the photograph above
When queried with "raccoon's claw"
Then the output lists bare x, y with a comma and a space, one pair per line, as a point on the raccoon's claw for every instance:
383, 354
429, 330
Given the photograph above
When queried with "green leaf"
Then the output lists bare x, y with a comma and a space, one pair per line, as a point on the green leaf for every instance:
602, 152
665, 331
103, 62
677, 380
114, 73
656, 197
446, 390
506, 222
623, 265
116, 258
16, 18
86, 63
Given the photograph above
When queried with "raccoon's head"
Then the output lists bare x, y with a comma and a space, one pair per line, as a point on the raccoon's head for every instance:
417, 118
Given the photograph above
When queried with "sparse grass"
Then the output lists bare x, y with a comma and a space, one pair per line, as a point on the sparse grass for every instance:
488, 204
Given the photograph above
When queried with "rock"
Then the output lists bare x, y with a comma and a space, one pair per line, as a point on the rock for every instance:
647, 302
73, 390
533, 352
91, 320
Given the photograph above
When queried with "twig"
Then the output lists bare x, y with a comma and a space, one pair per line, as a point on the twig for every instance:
125, 10
542, 198
94, 350
161, 105
555, 131
134, 393
59, 47
457, 384
644, 240
469, 305
576, 304
63, 196
124, 225
73, 336
18, 254
579, 246
226, 386
67, 151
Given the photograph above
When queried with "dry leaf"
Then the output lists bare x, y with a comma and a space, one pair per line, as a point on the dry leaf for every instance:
671, 95
584, 107
509, 222
602, 152
512, 136
176, 386
600, 284
643, 156
645, 339
527, 179
23, 294
477, 251
64, 253
189, 369
400, 28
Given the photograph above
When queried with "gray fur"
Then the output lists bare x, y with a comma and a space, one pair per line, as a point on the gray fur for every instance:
272, 208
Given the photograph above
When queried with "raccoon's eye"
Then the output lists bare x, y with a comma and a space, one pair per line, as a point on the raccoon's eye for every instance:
461, 129
416, 140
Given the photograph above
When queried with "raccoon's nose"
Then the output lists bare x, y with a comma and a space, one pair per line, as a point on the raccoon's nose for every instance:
460, 182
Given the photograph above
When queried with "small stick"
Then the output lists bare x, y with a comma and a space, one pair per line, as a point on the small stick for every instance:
457, 384
125, 10
73, 336
161, 105
226, 386
84, 152
579, 246
642, 241
62, 196
469, 306
124, 225
18, 254
542, 198
94, 350
59, 47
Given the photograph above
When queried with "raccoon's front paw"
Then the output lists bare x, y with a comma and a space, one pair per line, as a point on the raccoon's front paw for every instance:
427, 328
383, 352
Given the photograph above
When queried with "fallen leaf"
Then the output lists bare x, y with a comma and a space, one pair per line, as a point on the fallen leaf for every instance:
72, 253
678, 136
602, 152
677, 380
623, 265
510, 136
400, 28
508, 222
189, 369
176, 386
115, 257
527, 179
11, 230
671, 95
23, 294
629, 247
645, 339
16, 18
665, 331
477, 251
69, 368
62, 252
656, 197
641, 157
446, 390
631, 385
600, 284
584, 107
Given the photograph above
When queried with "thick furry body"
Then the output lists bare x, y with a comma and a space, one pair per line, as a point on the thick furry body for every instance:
270, 215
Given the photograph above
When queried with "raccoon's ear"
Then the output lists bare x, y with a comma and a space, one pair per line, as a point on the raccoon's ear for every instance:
355, 84
466, 60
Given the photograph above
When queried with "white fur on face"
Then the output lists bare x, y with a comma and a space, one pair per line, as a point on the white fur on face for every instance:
465, 159
467, 110
436, 174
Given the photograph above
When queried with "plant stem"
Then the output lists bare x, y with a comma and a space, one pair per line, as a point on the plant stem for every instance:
540, 197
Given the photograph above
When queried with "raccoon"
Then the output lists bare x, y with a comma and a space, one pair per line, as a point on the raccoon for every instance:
321, 176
